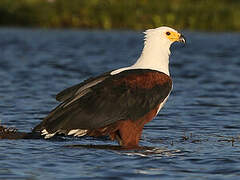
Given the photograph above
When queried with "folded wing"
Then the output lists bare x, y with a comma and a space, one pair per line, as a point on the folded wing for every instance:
107, 99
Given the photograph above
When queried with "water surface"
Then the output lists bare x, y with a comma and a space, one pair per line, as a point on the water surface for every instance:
195, 136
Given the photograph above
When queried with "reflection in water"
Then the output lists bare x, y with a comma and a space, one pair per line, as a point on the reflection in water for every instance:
143, 151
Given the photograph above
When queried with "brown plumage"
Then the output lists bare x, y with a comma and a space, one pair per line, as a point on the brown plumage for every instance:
118, 106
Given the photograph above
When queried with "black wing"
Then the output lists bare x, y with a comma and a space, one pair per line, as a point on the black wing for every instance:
105, 103
76, 89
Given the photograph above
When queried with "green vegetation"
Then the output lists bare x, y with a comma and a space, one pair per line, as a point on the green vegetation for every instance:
210, 15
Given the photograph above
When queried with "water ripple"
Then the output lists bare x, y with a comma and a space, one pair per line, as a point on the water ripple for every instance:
196, 135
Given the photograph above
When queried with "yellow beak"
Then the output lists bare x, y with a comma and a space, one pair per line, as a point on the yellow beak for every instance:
175, 36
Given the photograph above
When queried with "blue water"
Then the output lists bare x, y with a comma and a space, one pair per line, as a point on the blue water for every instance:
196, 135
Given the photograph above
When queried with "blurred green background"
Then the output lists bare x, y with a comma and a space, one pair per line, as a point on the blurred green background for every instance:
206, 15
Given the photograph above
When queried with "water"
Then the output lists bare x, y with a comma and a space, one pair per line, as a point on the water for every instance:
196, 135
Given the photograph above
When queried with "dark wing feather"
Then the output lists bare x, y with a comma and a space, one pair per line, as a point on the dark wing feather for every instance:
74, 90
105, 103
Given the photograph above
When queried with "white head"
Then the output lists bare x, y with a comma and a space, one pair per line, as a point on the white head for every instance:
163, 35
156, 51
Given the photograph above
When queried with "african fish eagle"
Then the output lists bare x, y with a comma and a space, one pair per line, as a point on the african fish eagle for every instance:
118, 103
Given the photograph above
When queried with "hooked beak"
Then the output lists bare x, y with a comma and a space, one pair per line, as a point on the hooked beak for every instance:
174, 36
182, 39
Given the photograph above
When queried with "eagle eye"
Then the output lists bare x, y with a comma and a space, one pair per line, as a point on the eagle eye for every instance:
168, 33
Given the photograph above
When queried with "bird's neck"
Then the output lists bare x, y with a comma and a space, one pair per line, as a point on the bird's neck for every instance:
155, 56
